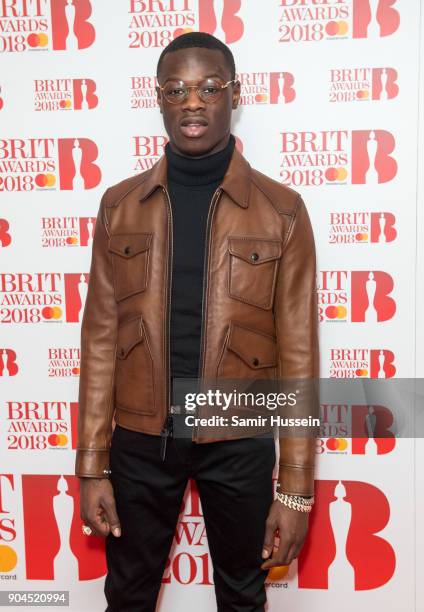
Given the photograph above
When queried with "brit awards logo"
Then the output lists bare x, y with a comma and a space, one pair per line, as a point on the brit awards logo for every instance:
42, 297
355, 296
5, 235
266, 87
143, 92
8, 363
40, 426
221, 18
41, 25
64, 94
155, 23
67, 231
337, 157
310, 20
363, 84
361, 227
28, 164
147, 150
356, 430
349, 362
344, 548
63, 362
67, 555
8, 528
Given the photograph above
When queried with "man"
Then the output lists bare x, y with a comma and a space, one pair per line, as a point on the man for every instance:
200, 266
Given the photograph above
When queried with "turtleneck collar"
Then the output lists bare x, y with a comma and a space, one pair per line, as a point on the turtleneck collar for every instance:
194, 171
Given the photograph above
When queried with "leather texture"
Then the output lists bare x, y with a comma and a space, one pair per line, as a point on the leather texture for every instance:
260, 315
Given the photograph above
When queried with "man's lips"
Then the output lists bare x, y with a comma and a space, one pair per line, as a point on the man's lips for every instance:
193, 127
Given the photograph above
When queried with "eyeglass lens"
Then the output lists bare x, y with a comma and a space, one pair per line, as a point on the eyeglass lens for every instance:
209, 90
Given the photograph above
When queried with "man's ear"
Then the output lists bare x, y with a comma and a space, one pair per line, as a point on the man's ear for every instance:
159, 97
236, 94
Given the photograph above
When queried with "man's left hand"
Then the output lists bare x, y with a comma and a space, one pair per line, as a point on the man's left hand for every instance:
292, 526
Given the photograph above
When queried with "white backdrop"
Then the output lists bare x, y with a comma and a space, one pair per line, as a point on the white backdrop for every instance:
330, 105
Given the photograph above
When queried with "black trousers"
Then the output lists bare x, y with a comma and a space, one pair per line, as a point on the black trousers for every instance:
234, 480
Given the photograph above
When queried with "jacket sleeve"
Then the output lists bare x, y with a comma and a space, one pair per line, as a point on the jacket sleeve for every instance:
296, 316
98, 349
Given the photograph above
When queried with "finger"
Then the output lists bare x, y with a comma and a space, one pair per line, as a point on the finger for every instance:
112, 517
283, 549
279, 554
88, 518
98, 526
291, 555
268, 544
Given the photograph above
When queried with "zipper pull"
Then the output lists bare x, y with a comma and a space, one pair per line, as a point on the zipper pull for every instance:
165, 433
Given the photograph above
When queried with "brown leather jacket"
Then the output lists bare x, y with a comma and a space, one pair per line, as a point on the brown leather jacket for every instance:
259, 307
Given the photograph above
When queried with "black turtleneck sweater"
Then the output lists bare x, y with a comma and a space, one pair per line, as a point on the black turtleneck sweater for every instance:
191, 184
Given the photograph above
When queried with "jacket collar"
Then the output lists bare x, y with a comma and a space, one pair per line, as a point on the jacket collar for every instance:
236, 181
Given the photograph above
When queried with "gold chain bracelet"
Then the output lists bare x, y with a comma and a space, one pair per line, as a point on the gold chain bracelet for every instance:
296, 502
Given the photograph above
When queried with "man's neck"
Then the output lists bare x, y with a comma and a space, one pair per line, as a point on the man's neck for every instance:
216, 149
197, 171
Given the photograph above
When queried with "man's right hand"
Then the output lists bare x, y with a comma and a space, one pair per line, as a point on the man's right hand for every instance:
97, 504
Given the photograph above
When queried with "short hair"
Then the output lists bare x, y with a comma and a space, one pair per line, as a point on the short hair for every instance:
203, 40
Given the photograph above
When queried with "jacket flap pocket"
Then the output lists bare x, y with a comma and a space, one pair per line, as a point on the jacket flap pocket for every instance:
128, 245
257, 349
130, 333
255, 250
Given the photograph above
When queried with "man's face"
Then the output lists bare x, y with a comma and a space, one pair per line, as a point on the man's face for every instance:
197, 128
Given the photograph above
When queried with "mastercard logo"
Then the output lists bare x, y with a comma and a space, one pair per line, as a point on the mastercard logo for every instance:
361, 372
52, 312
336, 444
75, 371
337, 28
362, 94
361, 237
8, 558
278, 573
57, 440
45, 180
38, 40
336, 174
336, 312
72, 240
261, 98
65, 104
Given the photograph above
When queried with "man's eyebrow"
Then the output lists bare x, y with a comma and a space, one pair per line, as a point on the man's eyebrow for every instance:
213, 75
208, 76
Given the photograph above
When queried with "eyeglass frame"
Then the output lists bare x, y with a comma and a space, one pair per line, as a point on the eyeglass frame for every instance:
196, 87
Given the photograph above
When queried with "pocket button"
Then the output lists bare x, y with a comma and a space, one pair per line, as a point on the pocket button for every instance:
254, 257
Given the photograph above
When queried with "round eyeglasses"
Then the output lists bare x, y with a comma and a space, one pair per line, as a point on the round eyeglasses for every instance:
209, 90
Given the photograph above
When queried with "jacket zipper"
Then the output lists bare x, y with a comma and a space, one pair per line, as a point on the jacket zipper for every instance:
167, 426
211, 210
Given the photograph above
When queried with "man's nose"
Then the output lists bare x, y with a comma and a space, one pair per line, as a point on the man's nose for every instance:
193, 101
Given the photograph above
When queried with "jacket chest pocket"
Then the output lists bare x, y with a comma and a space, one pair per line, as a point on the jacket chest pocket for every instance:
130, 261
253, 269
134, 376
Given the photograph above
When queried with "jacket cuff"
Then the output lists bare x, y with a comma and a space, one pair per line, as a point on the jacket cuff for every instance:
92, 463
295, 479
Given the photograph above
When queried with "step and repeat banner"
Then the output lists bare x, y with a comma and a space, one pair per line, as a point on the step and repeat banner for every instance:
330, 106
